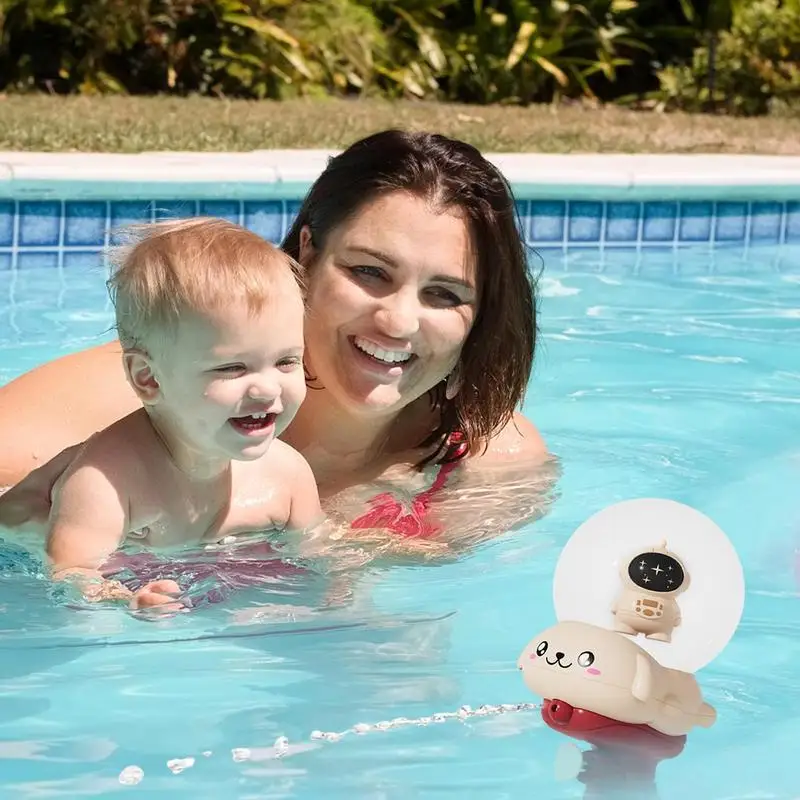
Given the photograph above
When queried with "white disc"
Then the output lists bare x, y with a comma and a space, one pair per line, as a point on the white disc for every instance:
592, 573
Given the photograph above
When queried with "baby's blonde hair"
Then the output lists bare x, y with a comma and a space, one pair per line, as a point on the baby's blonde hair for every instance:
201, 264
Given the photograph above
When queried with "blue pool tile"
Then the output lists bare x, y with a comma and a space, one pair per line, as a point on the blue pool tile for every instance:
585, 221
127, 213
292, 210
265, 219
6, 223
84, 260
695, 224
765, 222
5, 261
731, 222
39, 223
622, 222
37, 260
659, 220
547, 221
85, 224
793, 221
221, 210
523, 212
174, 209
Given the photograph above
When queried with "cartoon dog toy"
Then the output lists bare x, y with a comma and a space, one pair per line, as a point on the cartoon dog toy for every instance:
651, 581
605, 673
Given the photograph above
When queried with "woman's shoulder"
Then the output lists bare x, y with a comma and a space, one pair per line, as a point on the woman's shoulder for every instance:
518, 440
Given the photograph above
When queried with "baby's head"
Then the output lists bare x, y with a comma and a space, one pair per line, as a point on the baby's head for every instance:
210, 318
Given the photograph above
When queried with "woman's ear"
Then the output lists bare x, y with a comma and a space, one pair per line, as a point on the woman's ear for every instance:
140, 374
306, 251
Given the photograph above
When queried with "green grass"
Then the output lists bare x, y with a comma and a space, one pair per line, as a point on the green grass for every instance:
135, 124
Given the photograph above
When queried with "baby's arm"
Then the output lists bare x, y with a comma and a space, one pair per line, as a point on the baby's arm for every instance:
305, 511
89, 518
87, 523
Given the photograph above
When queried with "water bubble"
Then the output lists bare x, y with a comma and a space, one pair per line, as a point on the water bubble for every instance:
178, 765
241, 753
281, 746
130, 776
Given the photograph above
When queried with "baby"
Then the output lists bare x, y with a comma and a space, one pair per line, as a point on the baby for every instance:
210, 319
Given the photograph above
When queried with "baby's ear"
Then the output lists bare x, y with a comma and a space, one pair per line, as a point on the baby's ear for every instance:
140, 374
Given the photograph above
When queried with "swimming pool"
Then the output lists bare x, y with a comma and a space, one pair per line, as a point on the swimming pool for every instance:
668, 367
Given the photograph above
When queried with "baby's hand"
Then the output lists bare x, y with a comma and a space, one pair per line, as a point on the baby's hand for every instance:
161, 594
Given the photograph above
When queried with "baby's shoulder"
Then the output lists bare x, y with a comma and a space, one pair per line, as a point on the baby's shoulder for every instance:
119, 451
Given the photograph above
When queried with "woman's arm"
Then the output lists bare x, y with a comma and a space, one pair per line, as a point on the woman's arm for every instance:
58, 404
512, 484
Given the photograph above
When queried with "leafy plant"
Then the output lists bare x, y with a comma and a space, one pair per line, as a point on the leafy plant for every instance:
751, 67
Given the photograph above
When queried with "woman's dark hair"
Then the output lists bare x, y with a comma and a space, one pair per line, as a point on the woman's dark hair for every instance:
497, 357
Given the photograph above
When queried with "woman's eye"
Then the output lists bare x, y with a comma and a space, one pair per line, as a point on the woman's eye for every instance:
444, 297
368, 272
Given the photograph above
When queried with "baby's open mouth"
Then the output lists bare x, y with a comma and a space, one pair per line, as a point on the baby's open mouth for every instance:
253, 424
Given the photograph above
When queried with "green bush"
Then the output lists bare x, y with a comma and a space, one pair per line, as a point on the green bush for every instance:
482, 51
751, 69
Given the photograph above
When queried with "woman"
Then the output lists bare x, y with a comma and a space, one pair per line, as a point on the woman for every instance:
420, 335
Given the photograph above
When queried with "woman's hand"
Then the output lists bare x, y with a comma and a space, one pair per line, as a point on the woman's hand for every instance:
26, 505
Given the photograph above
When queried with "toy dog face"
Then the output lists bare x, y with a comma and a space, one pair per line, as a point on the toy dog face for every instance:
591, 668
655, 570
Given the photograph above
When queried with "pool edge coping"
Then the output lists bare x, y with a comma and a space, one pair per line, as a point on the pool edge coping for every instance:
288, 174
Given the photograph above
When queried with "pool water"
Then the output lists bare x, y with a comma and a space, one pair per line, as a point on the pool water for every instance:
660, 373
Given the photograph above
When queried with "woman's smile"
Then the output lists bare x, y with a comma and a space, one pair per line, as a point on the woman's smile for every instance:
380, 361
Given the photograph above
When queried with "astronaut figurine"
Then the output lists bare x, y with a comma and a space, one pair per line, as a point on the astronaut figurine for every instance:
647, 604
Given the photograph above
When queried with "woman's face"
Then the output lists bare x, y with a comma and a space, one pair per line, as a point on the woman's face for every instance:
391, 301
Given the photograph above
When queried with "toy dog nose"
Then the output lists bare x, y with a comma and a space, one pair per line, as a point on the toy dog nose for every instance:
559, 656
560, 711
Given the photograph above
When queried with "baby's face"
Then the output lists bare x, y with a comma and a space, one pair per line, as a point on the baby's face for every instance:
231, 382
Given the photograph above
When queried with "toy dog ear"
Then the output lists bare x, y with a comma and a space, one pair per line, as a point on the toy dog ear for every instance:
642, 680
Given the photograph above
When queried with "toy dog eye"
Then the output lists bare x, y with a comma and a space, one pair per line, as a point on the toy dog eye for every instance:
586, 659
541, 649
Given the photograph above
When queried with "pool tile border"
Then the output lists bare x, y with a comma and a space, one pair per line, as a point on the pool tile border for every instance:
62, 208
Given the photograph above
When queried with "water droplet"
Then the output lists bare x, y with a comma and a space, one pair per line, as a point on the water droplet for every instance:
240, 753
178, 765
281, 746
130, 776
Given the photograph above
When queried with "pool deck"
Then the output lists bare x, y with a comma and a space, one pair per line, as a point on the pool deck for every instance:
287, 174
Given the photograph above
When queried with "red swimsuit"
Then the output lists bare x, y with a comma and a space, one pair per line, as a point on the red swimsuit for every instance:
387, 512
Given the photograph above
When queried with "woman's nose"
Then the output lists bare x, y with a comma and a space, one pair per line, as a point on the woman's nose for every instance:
398, 315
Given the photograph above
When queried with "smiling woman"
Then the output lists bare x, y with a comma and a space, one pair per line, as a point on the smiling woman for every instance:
394, 285
420, 336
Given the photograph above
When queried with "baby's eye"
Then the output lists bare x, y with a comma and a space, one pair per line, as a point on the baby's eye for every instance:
289, 364
229, 369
